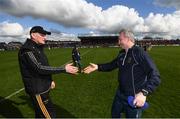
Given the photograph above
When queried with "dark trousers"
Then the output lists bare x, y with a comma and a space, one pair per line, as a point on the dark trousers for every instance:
43, 106
78, 63
120, 105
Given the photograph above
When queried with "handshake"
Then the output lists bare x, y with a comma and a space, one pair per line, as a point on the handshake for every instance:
74, 70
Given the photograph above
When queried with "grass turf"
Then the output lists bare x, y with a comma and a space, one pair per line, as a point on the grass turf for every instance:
90, 95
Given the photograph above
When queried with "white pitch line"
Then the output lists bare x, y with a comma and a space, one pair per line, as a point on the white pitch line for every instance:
9, 96
12, 95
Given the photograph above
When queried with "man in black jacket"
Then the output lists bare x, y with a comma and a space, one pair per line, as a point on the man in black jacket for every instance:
138, 76
37, 74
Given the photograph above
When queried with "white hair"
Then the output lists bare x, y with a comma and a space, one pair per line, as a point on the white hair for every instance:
128, 33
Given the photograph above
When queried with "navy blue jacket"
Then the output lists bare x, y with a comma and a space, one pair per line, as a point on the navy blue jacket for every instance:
136, 71
76, 55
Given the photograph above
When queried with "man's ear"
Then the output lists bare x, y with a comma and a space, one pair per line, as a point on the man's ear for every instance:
33, 35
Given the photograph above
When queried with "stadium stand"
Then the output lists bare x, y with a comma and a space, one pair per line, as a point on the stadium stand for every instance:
100, 40
10, 46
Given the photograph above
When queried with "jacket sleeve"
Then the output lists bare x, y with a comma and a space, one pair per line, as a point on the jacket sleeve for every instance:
35, 65
153, 76
108, 66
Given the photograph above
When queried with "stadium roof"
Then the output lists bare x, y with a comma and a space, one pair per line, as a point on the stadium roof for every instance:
92, 35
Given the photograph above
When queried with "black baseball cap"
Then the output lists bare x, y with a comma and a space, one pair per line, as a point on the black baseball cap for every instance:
39, 29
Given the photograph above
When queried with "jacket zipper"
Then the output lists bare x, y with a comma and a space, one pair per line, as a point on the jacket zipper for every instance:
124, 58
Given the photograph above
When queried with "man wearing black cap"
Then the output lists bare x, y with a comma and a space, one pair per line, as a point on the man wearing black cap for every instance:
37, 74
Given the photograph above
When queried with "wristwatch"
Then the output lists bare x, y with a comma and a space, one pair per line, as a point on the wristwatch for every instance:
145, 92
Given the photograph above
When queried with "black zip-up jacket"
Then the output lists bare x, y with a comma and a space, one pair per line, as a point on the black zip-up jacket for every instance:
35, 70
137, 71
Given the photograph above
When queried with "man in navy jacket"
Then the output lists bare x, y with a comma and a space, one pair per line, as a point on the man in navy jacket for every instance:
138, 76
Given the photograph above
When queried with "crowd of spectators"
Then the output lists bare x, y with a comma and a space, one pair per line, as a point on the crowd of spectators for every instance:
93, 41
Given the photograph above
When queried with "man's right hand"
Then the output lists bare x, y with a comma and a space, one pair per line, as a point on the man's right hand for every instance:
53, 85
92, 67
71, 69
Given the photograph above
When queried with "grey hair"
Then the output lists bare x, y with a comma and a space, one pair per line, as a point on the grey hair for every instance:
128, 33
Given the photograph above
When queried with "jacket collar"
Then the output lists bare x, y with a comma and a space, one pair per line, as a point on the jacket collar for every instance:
30, 44
132, 47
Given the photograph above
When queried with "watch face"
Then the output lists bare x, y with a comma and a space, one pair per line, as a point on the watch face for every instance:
145, 93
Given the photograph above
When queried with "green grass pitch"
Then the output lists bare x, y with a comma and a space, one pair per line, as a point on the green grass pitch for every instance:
90, 95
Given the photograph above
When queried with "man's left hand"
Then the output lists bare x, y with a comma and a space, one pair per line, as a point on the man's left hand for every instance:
139, 100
